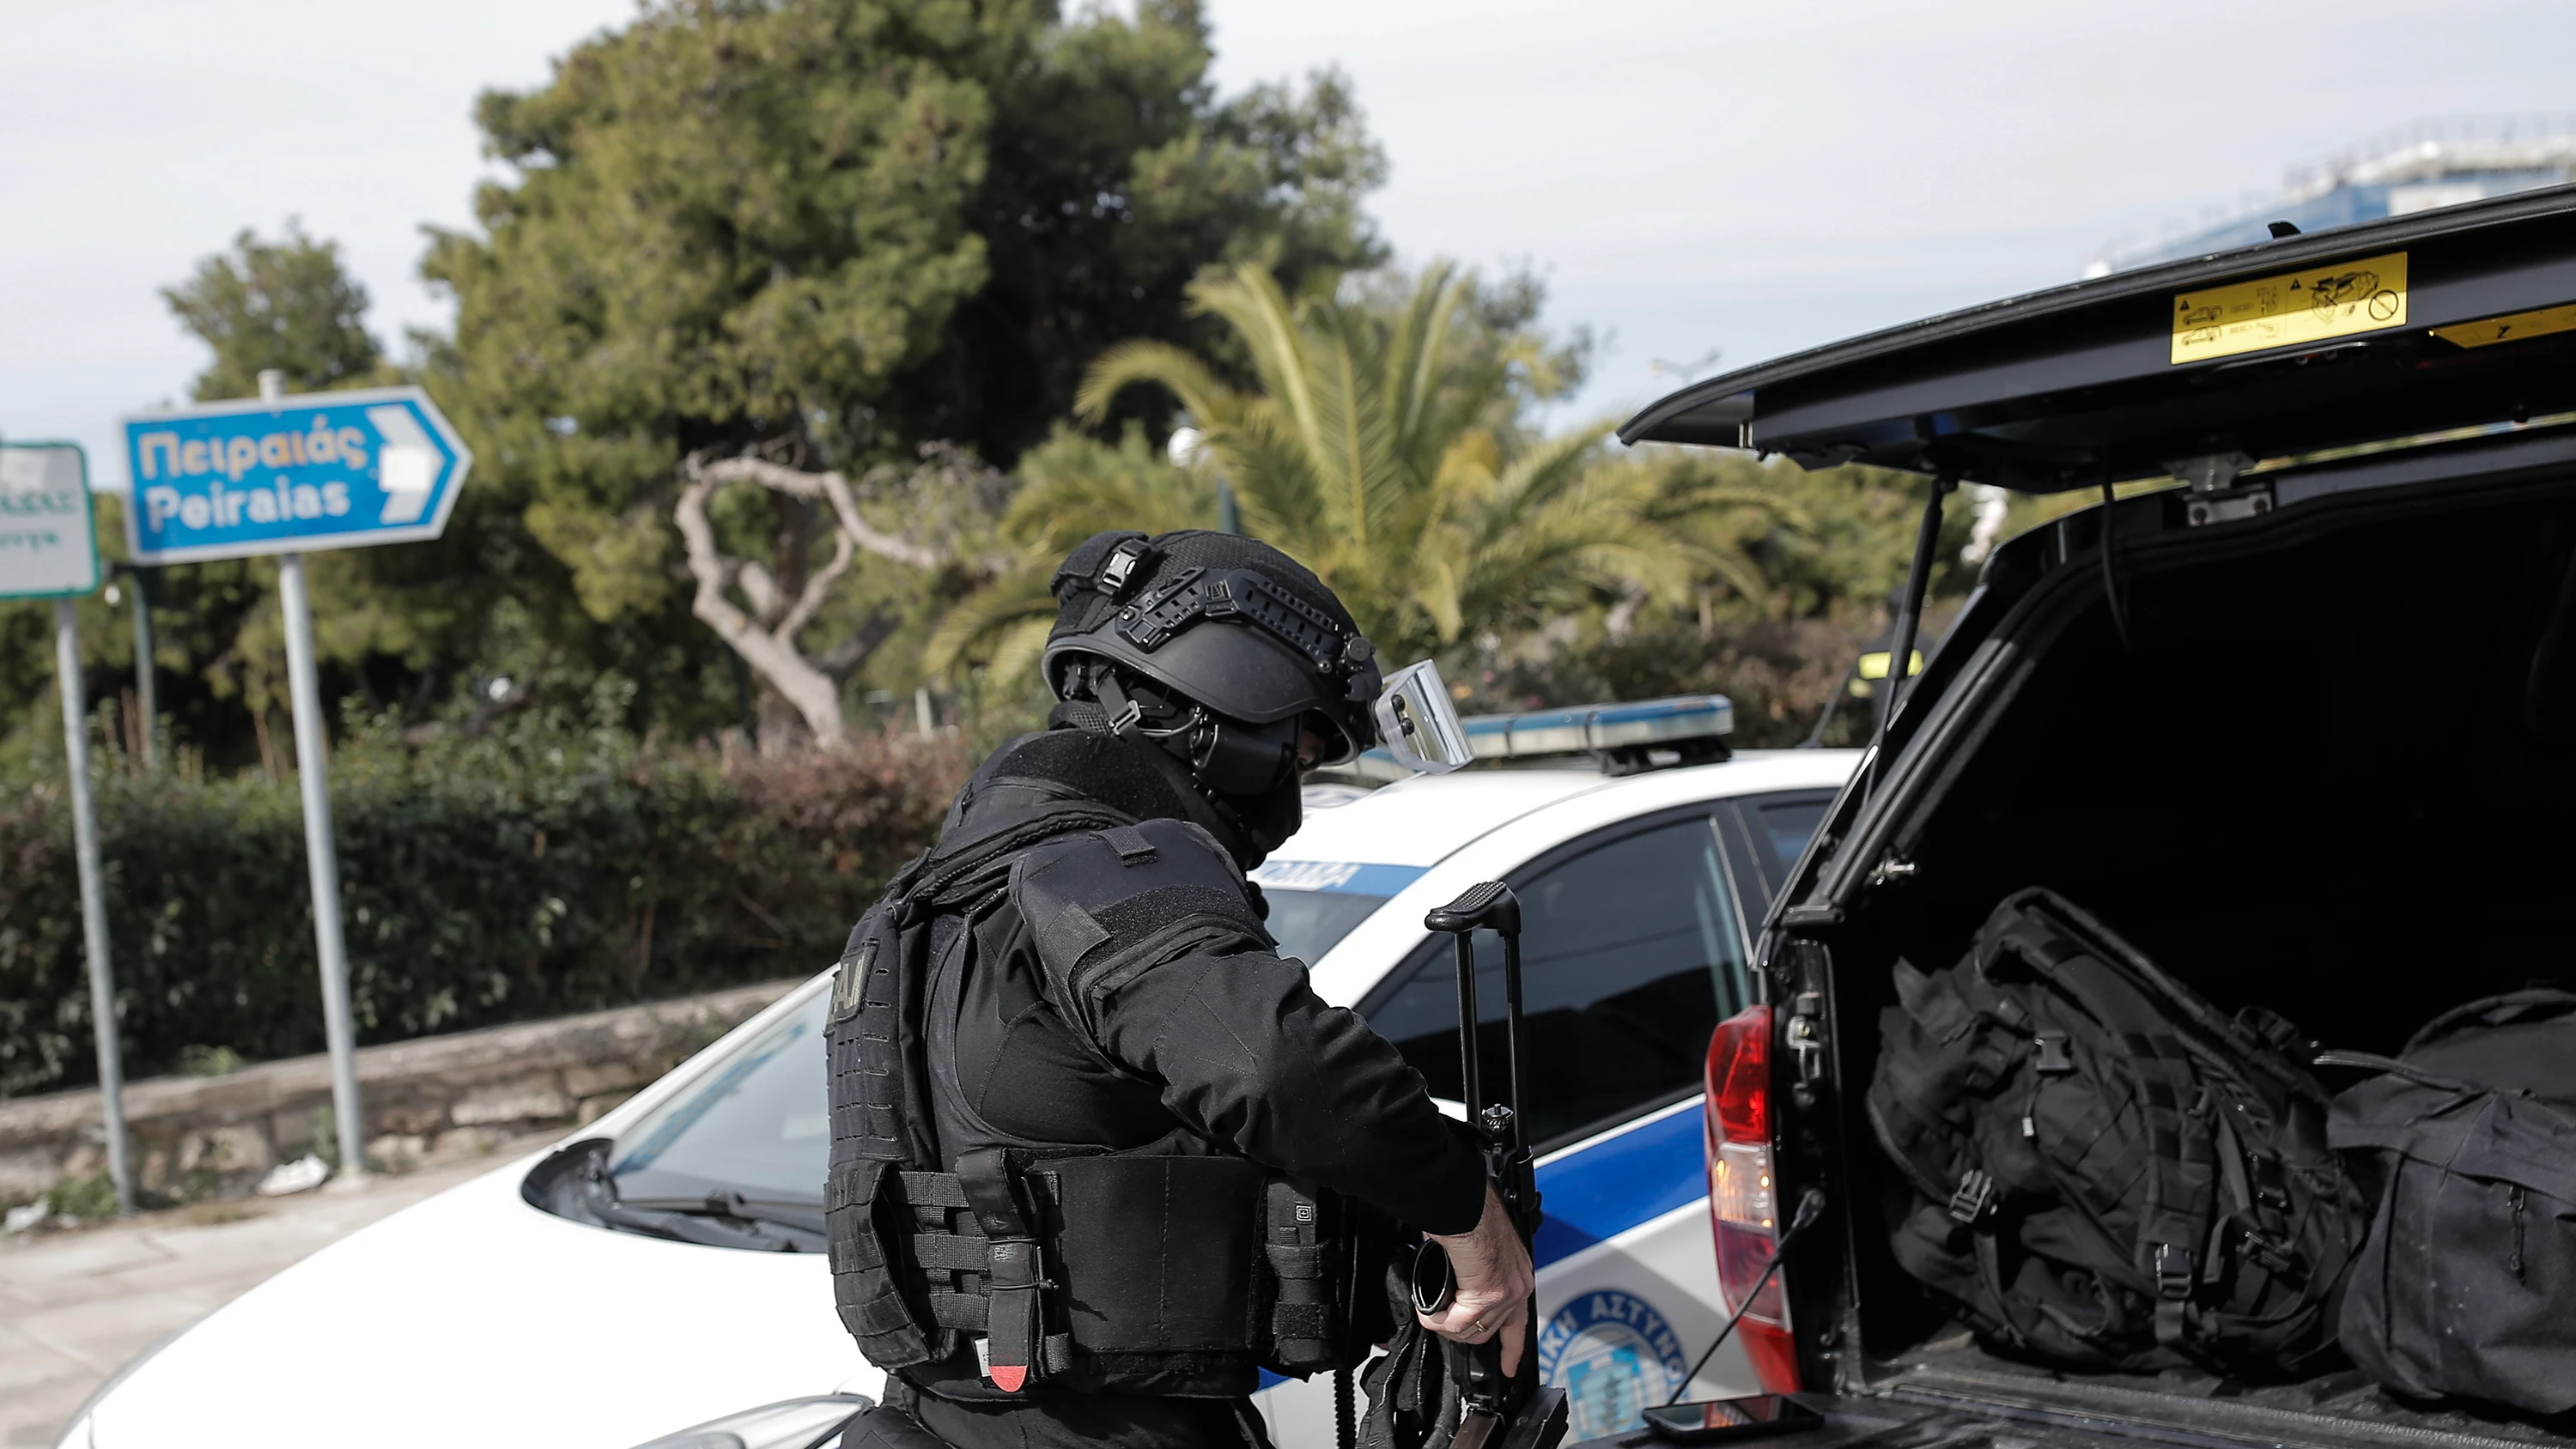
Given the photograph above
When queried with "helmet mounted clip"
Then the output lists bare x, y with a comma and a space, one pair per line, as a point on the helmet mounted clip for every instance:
1126, 564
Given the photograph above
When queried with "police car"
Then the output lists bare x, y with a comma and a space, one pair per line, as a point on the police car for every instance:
662, 1268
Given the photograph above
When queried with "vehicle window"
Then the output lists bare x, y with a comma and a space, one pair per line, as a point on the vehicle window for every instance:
1630, 955
1306, 924
759, 1124
1781, 829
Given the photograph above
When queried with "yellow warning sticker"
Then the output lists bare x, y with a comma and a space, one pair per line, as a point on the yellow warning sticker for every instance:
2510, 328
2311, 306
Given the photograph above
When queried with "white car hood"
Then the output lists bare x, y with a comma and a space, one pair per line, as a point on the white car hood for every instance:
473, 1318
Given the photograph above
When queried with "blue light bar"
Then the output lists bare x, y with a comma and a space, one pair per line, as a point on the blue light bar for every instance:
1593, 729
1590, 729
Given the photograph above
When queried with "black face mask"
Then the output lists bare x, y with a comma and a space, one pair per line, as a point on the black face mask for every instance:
1233, 758
1247, 770
1269, 819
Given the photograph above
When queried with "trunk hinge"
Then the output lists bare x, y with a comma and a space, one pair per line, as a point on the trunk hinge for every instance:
2212, 493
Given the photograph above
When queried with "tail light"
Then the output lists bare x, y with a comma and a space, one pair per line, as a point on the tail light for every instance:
1743, 1195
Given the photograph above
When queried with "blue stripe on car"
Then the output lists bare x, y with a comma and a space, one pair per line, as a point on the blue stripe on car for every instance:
1349, 876
1613, 1185
1618, 1183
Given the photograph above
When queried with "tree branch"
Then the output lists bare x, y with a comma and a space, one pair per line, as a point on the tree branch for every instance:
832, 488
815, 696
817, 588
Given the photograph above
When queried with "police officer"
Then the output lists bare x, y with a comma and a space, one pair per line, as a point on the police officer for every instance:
1099, 1154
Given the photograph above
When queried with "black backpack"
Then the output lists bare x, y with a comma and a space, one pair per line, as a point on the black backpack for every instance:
2106, 1172
2468, 1148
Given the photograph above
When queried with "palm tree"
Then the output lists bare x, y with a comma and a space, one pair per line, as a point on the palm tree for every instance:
1071, 488
1376, 450
1719, 508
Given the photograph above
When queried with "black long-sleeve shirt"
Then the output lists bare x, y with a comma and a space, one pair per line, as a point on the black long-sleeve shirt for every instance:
1247, 1053
1223, 1037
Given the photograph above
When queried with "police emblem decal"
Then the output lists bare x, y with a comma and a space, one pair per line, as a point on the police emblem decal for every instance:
1614, 1356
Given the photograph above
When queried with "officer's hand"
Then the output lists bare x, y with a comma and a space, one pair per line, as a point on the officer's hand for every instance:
1494, 1278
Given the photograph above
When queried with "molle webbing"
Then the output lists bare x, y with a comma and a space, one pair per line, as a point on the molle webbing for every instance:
1135, 1255
879, 1102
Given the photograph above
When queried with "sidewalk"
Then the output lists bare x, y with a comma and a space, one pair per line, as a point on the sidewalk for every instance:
74, 1306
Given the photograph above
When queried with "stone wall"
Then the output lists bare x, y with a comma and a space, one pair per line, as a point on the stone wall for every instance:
200, 1137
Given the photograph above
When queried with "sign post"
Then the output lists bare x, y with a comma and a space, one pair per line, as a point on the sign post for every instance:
49, 549
282, 476
147, 702
321, 859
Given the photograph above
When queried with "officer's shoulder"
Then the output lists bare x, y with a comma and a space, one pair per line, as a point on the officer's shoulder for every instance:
1155, 851
1099, 900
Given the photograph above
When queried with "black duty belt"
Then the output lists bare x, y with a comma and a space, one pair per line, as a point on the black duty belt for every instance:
1123, 1259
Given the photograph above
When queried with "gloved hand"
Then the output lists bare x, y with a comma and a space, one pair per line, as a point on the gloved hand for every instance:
1494, 1278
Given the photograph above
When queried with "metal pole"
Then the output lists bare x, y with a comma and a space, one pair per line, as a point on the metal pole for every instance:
1471, 1046
312, 775
93, 896
1909, 616
147, 691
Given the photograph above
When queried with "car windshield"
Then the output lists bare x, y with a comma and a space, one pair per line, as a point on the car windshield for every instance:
1306, 924
757, 1125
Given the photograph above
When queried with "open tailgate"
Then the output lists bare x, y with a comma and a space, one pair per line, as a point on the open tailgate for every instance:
2457, 318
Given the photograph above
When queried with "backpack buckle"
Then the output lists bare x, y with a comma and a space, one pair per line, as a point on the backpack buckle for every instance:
2274, 1257
2271, 1189
2173, 1271
2053, 1060
1974, 1197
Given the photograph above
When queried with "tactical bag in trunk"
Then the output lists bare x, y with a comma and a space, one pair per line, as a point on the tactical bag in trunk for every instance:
2107, 1172
2468, 1147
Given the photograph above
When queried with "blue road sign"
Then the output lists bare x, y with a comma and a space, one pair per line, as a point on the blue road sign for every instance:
315, 471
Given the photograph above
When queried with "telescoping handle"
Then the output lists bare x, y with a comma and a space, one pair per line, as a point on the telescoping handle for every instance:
1515, 1413
1490, 905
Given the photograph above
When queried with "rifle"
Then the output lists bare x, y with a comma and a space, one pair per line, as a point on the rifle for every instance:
1518, 1412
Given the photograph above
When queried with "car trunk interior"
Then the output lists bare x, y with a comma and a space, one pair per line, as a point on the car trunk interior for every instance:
2333, 779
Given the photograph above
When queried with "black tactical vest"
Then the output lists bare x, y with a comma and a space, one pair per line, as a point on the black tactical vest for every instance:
978, 1262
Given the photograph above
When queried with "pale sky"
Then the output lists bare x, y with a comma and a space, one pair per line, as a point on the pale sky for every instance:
1688, 174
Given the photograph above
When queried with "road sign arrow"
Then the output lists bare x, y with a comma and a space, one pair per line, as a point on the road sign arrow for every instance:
314, 471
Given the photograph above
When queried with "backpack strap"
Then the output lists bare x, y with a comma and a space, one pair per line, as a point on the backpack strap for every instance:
2180, 1170
2394, 1067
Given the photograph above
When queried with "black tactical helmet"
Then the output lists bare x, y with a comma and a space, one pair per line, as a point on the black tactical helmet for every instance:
1148, 626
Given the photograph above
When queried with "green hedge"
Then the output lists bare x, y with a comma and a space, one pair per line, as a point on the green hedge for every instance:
541, 872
